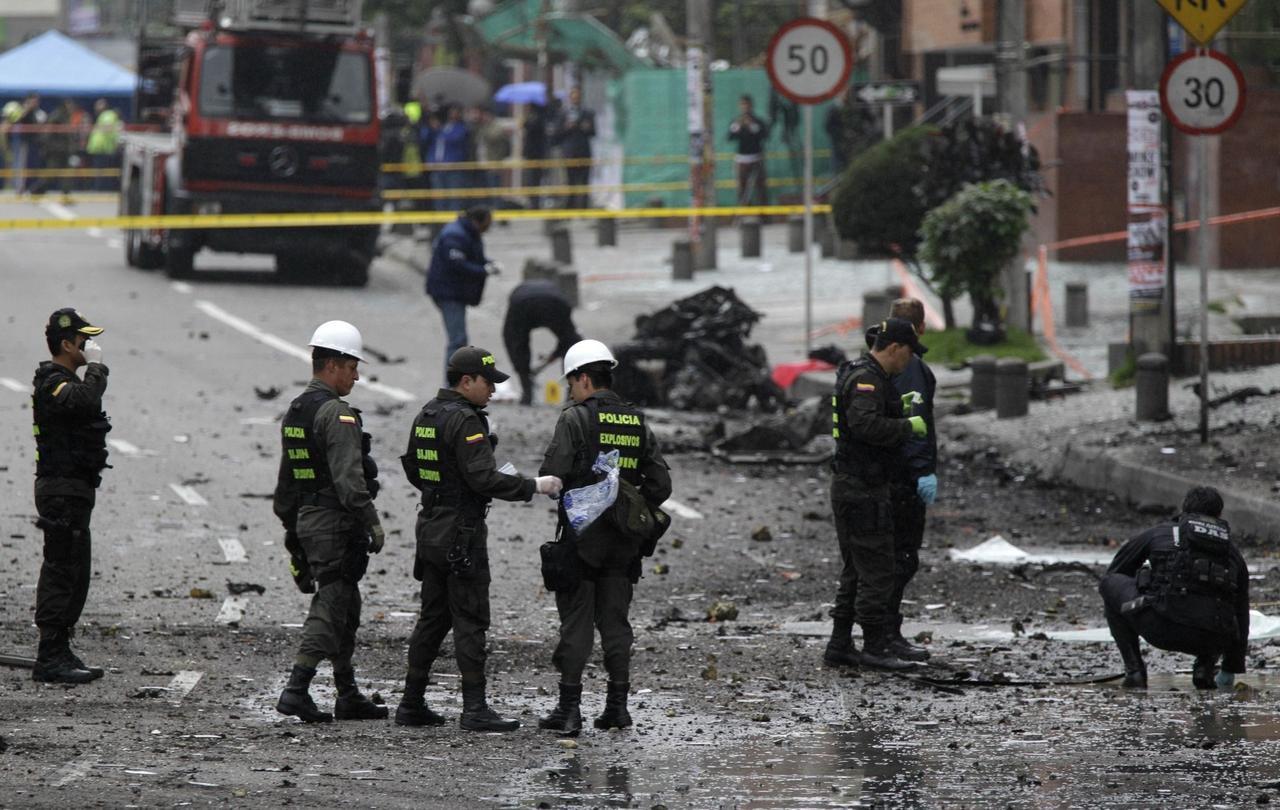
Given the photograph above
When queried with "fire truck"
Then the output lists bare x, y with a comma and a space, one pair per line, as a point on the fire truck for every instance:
254, 107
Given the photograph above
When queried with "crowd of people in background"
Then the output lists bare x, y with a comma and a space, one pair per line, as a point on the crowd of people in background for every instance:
68, 138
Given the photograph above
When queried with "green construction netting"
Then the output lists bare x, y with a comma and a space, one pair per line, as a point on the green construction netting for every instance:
578, 37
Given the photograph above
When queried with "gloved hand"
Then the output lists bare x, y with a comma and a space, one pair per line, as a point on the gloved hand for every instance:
548, 485
911, 399
493, 268
92, 351
1224, 680
927, 488
918, 427
377, 537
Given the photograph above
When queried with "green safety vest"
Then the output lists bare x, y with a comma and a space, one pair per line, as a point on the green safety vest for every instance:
105, 137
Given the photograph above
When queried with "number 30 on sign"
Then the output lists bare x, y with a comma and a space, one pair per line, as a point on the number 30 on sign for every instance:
1202, 92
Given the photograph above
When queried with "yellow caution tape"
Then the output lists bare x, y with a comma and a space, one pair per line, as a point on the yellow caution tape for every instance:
552, 163
353, 218
60, 172
553, 191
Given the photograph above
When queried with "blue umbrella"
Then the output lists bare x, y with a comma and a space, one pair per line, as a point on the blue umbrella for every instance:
522, 93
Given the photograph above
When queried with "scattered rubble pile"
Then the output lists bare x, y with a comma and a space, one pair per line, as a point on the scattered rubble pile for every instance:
694, 355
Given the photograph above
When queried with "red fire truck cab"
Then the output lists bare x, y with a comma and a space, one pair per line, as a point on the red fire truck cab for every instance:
267, 107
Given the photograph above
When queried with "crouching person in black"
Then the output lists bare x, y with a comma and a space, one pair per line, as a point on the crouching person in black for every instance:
1193, 598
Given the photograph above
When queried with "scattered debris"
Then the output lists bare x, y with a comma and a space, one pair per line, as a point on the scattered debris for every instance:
384, 358
237, 588
201, 593
762, 535
267, 393
722, 611
693, 355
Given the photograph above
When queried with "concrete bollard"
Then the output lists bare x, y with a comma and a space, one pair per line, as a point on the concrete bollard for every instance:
1077, 304
706, 258
538, 269
1012, 388
829, 240
846, 250
982, 385
749, 236
606, 232
820, 228
568, 282
549, 226
562, 245
1152, 386
682, 260
795, 234
875, 307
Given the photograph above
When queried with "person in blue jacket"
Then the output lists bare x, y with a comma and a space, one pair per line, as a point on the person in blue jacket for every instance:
458, 271
915, 484
445, 145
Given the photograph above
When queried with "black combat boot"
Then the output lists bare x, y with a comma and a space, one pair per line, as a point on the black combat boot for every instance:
1135, 669
615, 714
476, 714
566, 717
899, 646
841, 651
876, 651
97, 672
56, 664
1203, 672
351, 703
413, 710
296, 701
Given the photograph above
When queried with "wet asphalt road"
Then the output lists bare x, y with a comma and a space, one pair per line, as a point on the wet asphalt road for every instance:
730, 714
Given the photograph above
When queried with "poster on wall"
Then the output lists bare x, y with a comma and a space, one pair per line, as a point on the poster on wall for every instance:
1144, 147
1147, 231
1144, 195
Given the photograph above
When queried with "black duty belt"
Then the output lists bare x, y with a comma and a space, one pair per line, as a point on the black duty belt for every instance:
322, 500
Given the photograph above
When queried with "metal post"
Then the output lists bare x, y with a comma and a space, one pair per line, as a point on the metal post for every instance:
888, 120
808, 228
1202, 170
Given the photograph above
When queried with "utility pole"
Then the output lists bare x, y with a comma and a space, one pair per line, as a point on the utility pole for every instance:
1011, 91
701, 123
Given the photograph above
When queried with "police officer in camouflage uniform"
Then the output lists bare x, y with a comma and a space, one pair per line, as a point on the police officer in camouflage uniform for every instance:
324, 496
71, 452
599, 421
1182, 586
450, 459
869, 429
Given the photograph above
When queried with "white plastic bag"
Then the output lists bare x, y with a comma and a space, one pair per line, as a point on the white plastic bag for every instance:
584, 504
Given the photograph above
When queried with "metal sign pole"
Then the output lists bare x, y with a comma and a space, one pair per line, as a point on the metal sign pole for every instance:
808, 228
1202, 171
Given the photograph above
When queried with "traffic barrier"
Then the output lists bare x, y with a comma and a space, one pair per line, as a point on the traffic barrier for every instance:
682, 260
562, 245
749, 238
351, 218
606, 233
706, 257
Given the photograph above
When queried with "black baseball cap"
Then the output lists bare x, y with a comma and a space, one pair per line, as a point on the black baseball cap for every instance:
476, 361
68, 320
895, 330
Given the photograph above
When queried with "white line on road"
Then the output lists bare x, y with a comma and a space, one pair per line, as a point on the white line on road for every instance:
183, 683
115, 244
188, 494
95, 232
59, 211
124, 448
182, 287
232, 610
279, 344
680, 510
73, 770
232, 550
14, 385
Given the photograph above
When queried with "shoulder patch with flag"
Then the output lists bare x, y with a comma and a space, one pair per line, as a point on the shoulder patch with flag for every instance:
475, 437
346, 420
866, 386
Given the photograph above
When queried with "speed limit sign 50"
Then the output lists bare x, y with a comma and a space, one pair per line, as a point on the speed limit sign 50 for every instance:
809, 60
1202, 92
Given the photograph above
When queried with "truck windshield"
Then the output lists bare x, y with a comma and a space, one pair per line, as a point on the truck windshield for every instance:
274, 82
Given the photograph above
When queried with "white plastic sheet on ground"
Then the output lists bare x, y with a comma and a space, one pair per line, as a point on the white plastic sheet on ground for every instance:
999, 551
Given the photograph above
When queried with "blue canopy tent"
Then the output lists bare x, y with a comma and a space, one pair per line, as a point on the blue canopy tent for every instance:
57, 67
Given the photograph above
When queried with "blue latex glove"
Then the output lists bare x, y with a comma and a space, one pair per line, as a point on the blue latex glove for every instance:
927, 488
1224, 680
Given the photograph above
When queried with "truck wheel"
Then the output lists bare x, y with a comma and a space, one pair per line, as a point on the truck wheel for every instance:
293, 269
179, 258
352, 271
139, 254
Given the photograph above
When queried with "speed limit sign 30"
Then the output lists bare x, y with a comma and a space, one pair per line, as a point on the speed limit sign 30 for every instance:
1202, 92
809, 60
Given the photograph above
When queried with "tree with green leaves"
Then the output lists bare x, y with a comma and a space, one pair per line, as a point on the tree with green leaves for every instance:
971, 238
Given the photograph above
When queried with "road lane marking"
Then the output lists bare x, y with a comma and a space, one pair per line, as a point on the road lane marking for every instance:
232, 550
95, 232
115, 244
188, 494
123, 447
14, 385
282, 345
680, 510
59, 211
182, 287
73, 770
232, 610
183, 683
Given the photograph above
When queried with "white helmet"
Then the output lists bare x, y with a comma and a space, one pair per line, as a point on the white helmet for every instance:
339, 336
584, 352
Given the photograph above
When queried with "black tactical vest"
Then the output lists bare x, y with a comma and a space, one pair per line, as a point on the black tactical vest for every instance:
1195, 582
66, 446
308, 467
431, 465
614, 426
868, 462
